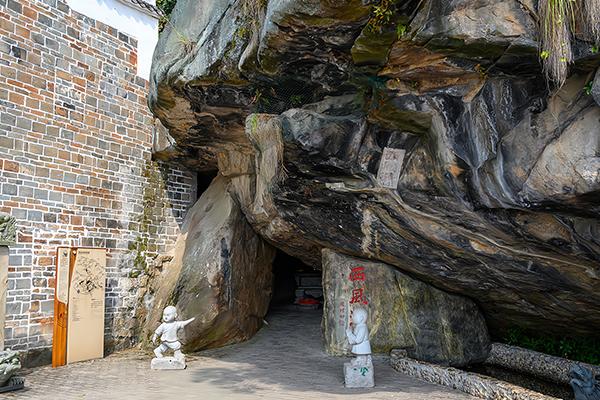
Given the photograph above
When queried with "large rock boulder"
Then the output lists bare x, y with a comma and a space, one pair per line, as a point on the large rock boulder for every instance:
430, 324
220, 274
498, 188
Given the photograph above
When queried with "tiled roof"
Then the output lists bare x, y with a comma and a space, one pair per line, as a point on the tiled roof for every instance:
146, 7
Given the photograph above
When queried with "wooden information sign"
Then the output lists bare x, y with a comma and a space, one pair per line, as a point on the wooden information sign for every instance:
79, 305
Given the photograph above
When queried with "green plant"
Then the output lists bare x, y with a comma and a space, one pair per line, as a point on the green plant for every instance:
185, 41
153, 199
482, 71
576, 349
166, 7
296, 100
381, 15
253, 122
587, 89
559, 20
401, 30
243, 32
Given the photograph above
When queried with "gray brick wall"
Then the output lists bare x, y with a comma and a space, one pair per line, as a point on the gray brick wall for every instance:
75, 164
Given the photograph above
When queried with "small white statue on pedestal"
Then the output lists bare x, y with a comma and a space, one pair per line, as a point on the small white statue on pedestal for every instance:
169, 339
359, 372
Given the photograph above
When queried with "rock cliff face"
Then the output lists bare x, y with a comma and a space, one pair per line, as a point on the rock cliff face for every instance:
294, 102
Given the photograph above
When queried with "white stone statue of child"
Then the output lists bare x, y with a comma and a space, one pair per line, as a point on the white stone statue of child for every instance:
358, 337
167, 331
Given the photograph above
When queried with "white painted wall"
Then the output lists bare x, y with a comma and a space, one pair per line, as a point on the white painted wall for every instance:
128, 19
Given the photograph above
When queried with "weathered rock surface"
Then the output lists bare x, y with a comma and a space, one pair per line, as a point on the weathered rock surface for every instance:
404, 313
8, 230
596, 87
498, 194
224, 285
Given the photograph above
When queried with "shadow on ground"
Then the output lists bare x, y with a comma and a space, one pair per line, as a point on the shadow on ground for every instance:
287, 355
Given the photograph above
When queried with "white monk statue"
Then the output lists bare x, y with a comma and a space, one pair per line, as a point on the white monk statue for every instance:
358, 337
167, 332
359, 373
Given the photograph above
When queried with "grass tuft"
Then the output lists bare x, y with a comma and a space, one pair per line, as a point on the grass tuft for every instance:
560, 20
576, 349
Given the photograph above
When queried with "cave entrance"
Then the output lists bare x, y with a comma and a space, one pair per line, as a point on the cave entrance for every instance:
296, 286
203, 181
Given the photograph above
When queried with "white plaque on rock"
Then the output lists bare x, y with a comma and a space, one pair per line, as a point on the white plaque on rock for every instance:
390, 167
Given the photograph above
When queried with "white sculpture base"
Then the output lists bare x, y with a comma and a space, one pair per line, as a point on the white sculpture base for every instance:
359, 376
168, 363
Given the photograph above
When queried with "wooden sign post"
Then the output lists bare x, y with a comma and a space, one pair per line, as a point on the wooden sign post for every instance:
79, 305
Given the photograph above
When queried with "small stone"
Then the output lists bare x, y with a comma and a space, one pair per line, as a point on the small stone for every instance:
168, 363
359, 376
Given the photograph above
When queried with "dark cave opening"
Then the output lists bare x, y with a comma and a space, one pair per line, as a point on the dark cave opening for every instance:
296, 286
203, 181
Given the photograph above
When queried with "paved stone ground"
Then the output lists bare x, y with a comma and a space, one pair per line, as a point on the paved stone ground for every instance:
284, 361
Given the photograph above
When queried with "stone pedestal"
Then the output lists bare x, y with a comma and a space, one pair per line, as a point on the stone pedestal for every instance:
359, 376
168, 363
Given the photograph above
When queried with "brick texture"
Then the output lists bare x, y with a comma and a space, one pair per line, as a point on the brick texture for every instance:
75, 164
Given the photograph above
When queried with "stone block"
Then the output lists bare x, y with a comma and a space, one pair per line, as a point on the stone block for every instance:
404, 312
359, 376
168, 363
9, 189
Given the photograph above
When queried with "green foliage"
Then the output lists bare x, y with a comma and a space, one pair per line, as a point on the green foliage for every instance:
576, 349
243, 33
166, 6
587, 89
296, 100
253, 122
381, 15
150, 217
559, 20
401, 30
139, 247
